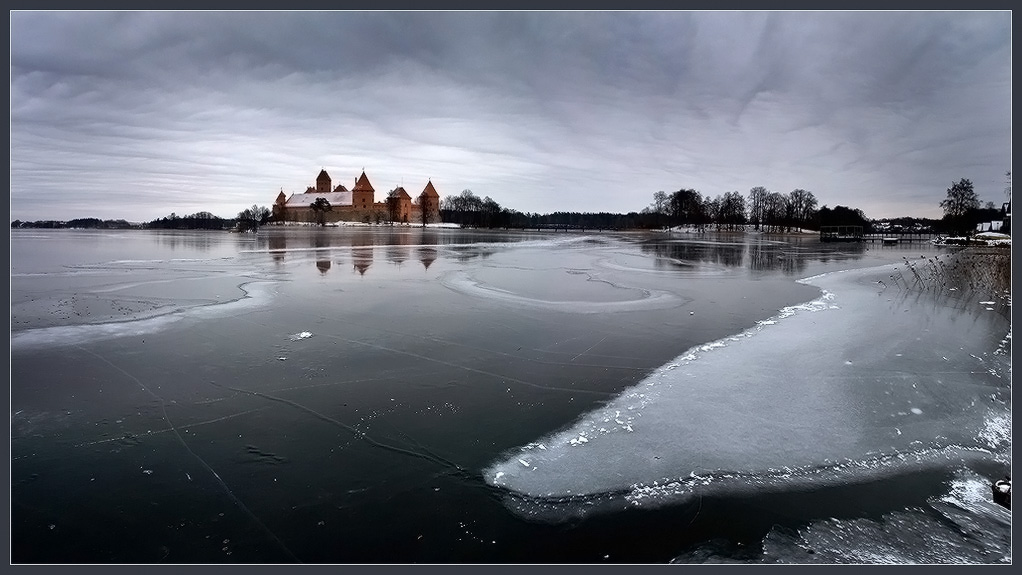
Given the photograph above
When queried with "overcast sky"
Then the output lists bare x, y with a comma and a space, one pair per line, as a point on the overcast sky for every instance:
137, 115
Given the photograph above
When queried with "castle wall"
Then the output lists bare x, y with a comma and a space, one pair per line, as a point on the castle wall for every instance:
356, 205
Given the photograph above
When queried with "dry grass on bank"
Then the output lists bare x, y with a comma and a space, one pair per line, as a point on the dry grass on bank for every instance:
980, 271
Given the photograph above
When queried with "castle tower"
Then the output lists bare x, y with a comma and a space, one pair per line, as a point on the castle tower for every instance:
400, 205
278, 206
362, 193
429, 204
323, 182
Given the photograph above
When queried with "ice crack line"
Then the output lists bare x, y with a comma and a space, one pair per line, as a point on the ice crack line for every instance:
158, 431
471, 369
474, 370
357, 433
223, 484
517, 357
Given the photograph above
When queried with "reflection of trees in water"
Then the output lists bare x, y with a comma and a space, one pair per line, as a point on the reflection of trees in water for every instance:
762, 258
466, 253
790, 257
772, 257
682, 254
277, 244
190, 239
793, 263
730, 256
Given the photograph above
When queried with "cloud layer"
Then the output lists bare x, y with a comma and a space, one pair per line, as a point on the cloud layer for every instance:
136, 115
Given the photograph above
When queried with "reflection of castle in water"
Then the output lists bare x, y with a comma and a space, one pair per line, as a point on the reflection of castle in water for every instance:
789, 258
397, 246
427, 255
361, 259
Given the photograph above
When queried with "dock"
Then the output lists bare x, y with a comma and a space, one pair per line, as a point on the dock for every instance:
841, 234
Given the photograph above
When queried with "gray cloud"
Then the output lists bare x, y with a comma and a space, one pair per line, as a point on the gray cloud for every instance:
135, 115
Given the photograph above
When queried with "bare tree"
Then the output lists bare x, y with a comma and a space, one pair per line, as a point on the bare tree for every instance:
251, 218
465, 208
712, 210
685, 207
393, 205
757, 203
802, 204
960, 200
424, 211
733, 209
659, 205
775, 208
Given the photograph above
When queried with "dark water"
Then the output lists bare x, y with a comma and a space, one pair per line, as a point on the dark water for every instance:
446, 396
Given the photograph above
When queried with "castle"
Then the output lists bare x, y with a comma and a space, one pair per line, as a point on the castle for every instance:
357, 204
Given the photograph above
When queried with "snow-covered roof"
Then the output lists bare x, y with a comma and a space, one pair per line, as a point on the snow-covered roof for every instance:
305, 200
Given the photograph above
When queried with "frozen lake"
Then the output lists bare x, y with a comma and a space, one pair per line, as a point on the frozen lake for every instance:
408, 395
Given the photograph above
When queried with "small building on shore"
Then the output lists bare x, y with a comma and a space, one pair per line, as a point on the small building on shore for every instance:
356, 205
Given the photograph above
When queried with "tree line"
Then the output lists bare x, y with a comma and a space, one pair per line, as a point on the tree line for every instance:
78, 223
760, 208
763, 209
469, 210
249, 218
196, 221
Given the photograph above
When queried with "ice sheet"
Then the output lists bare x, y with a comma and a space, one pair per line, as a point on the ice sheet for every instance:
856, 375
256, 294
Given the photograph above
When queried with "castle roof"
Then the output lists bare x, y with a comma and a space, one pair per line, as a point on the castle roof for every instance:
323, 176
363, 185
305, 200
400, 192
429, 190
340, 188
281, 197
